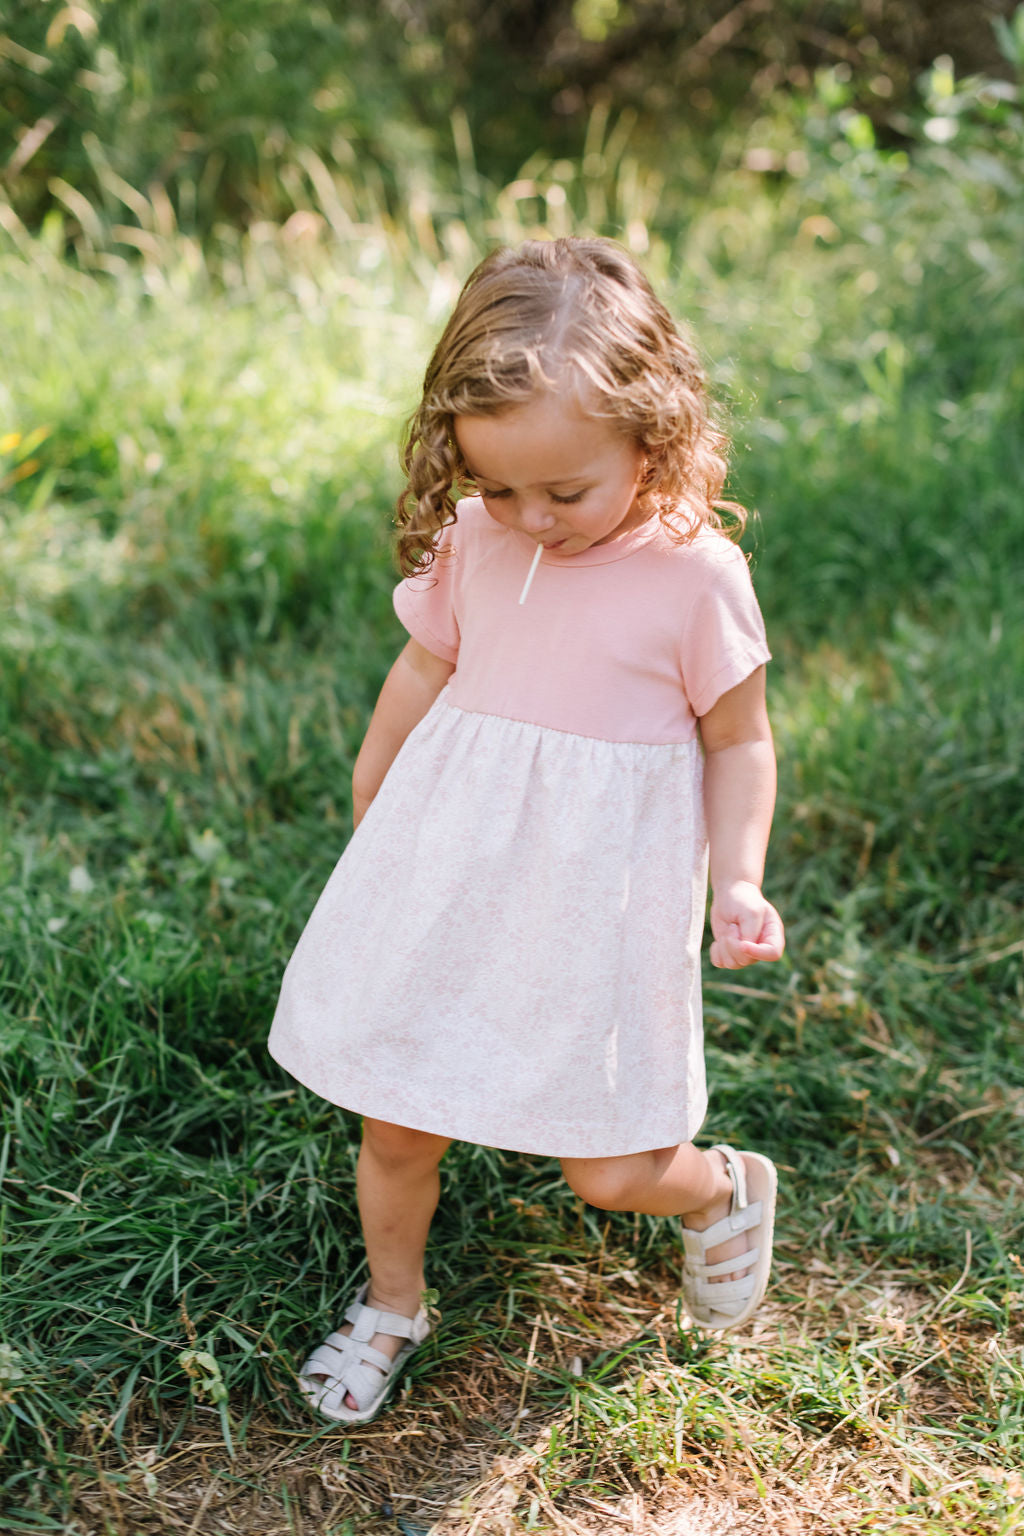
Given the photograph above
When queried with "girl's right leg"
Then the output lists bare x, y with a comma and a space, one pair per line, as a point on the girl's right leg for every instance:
397, 1185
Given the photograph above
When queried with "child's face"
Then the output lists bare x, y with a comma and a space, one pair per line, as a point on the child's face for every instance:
549, 470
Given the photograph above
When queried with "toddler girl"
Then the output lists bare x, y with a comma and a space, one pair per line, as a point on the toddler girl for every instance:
509, 950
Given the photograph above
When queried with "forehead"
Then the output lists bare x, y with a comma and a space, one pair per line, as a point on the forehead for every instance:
550, 440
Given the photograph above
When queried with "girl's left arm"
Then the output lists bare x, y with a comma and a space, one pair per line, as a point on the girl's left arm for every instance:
739, 797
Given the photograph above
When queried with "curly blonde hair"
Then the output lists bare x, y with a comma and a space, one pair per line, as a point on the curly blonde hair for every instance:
524, 320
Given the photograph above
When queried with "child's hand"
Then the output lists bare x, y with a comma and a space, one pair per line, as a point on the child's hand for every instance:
745, 927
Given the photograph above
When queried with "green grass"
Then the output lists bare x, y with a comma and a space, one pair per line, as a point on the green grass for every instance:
196, 588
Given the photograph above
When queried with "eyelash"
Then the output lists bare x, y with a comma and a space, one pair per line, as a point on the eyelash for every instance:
561, 501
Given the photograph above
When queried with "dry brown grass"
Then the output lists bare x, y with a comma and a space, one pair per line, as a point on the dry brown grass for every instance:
467, 1449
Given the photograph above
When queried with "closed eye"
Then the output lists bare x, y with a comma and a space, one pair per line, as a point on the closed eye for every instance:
562, 501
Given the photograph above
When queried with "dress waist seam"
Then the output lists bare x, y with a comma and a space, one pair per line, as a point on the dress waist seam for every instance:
446, 702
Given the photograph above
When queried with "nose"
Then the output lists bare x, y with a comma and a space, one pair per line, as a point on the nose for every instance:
536, 517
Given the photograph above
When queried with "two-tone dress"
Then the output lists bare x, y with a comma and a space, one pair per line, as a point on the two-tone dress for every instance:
508, 951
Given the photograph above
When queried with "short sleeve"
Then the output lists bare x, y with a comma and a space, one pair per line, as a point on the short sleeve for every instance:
425, 604
724, 639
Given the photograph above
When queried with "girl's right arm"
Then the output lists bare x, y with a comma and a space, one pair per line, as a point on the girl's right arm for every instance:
409, 690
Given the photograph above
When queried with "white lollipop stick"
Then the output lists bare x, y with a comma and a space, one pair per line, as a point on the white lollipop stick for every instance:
530, 574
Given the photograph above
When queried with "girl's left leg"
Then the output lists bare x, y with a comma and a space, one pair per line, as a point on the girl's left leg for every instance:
681, 1181
671, 1181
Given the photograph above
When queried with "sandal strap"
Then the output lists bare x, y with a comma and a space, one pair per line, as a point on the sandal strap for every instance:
366, 1321
724, 1266
356, 1378
696, 1243
736, 1171
362, 1383
722, 1290
347, 1350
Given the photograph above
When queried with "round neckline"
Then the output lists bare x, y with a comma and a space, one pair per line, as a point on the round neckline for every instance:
598, 554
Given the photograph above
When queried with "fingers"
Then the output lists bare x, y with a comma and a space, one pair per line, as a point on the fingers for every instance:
730, 951
734, 954
773, 934
731, 954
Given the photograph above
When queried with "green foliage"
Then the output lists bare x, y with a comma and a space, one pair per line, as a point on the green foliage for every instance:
197, 115
210, 109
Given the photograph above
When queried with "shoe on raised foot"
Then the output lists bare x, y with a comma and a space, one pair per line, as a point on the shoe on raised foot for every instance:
711, 1301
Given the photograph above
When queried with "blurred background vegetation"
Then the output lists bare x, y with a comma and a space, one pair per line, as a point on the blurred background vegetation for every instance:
228, 236
230, 111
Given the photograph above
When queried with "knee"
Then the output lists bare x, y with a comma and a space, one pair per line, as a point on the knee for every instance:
607, 1182
395, 1146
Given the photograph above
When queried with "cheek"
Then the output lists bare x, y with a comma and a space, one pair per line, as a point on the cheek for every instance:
626, 487
499, 512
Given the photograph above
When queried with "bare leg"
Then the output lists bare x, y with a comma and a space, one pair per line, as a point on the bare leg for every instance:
397, 1184
671, 1181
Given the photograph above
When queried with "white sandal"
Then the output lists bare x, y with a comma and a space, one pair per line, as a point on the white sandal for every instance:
348, 1364
711, 1301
